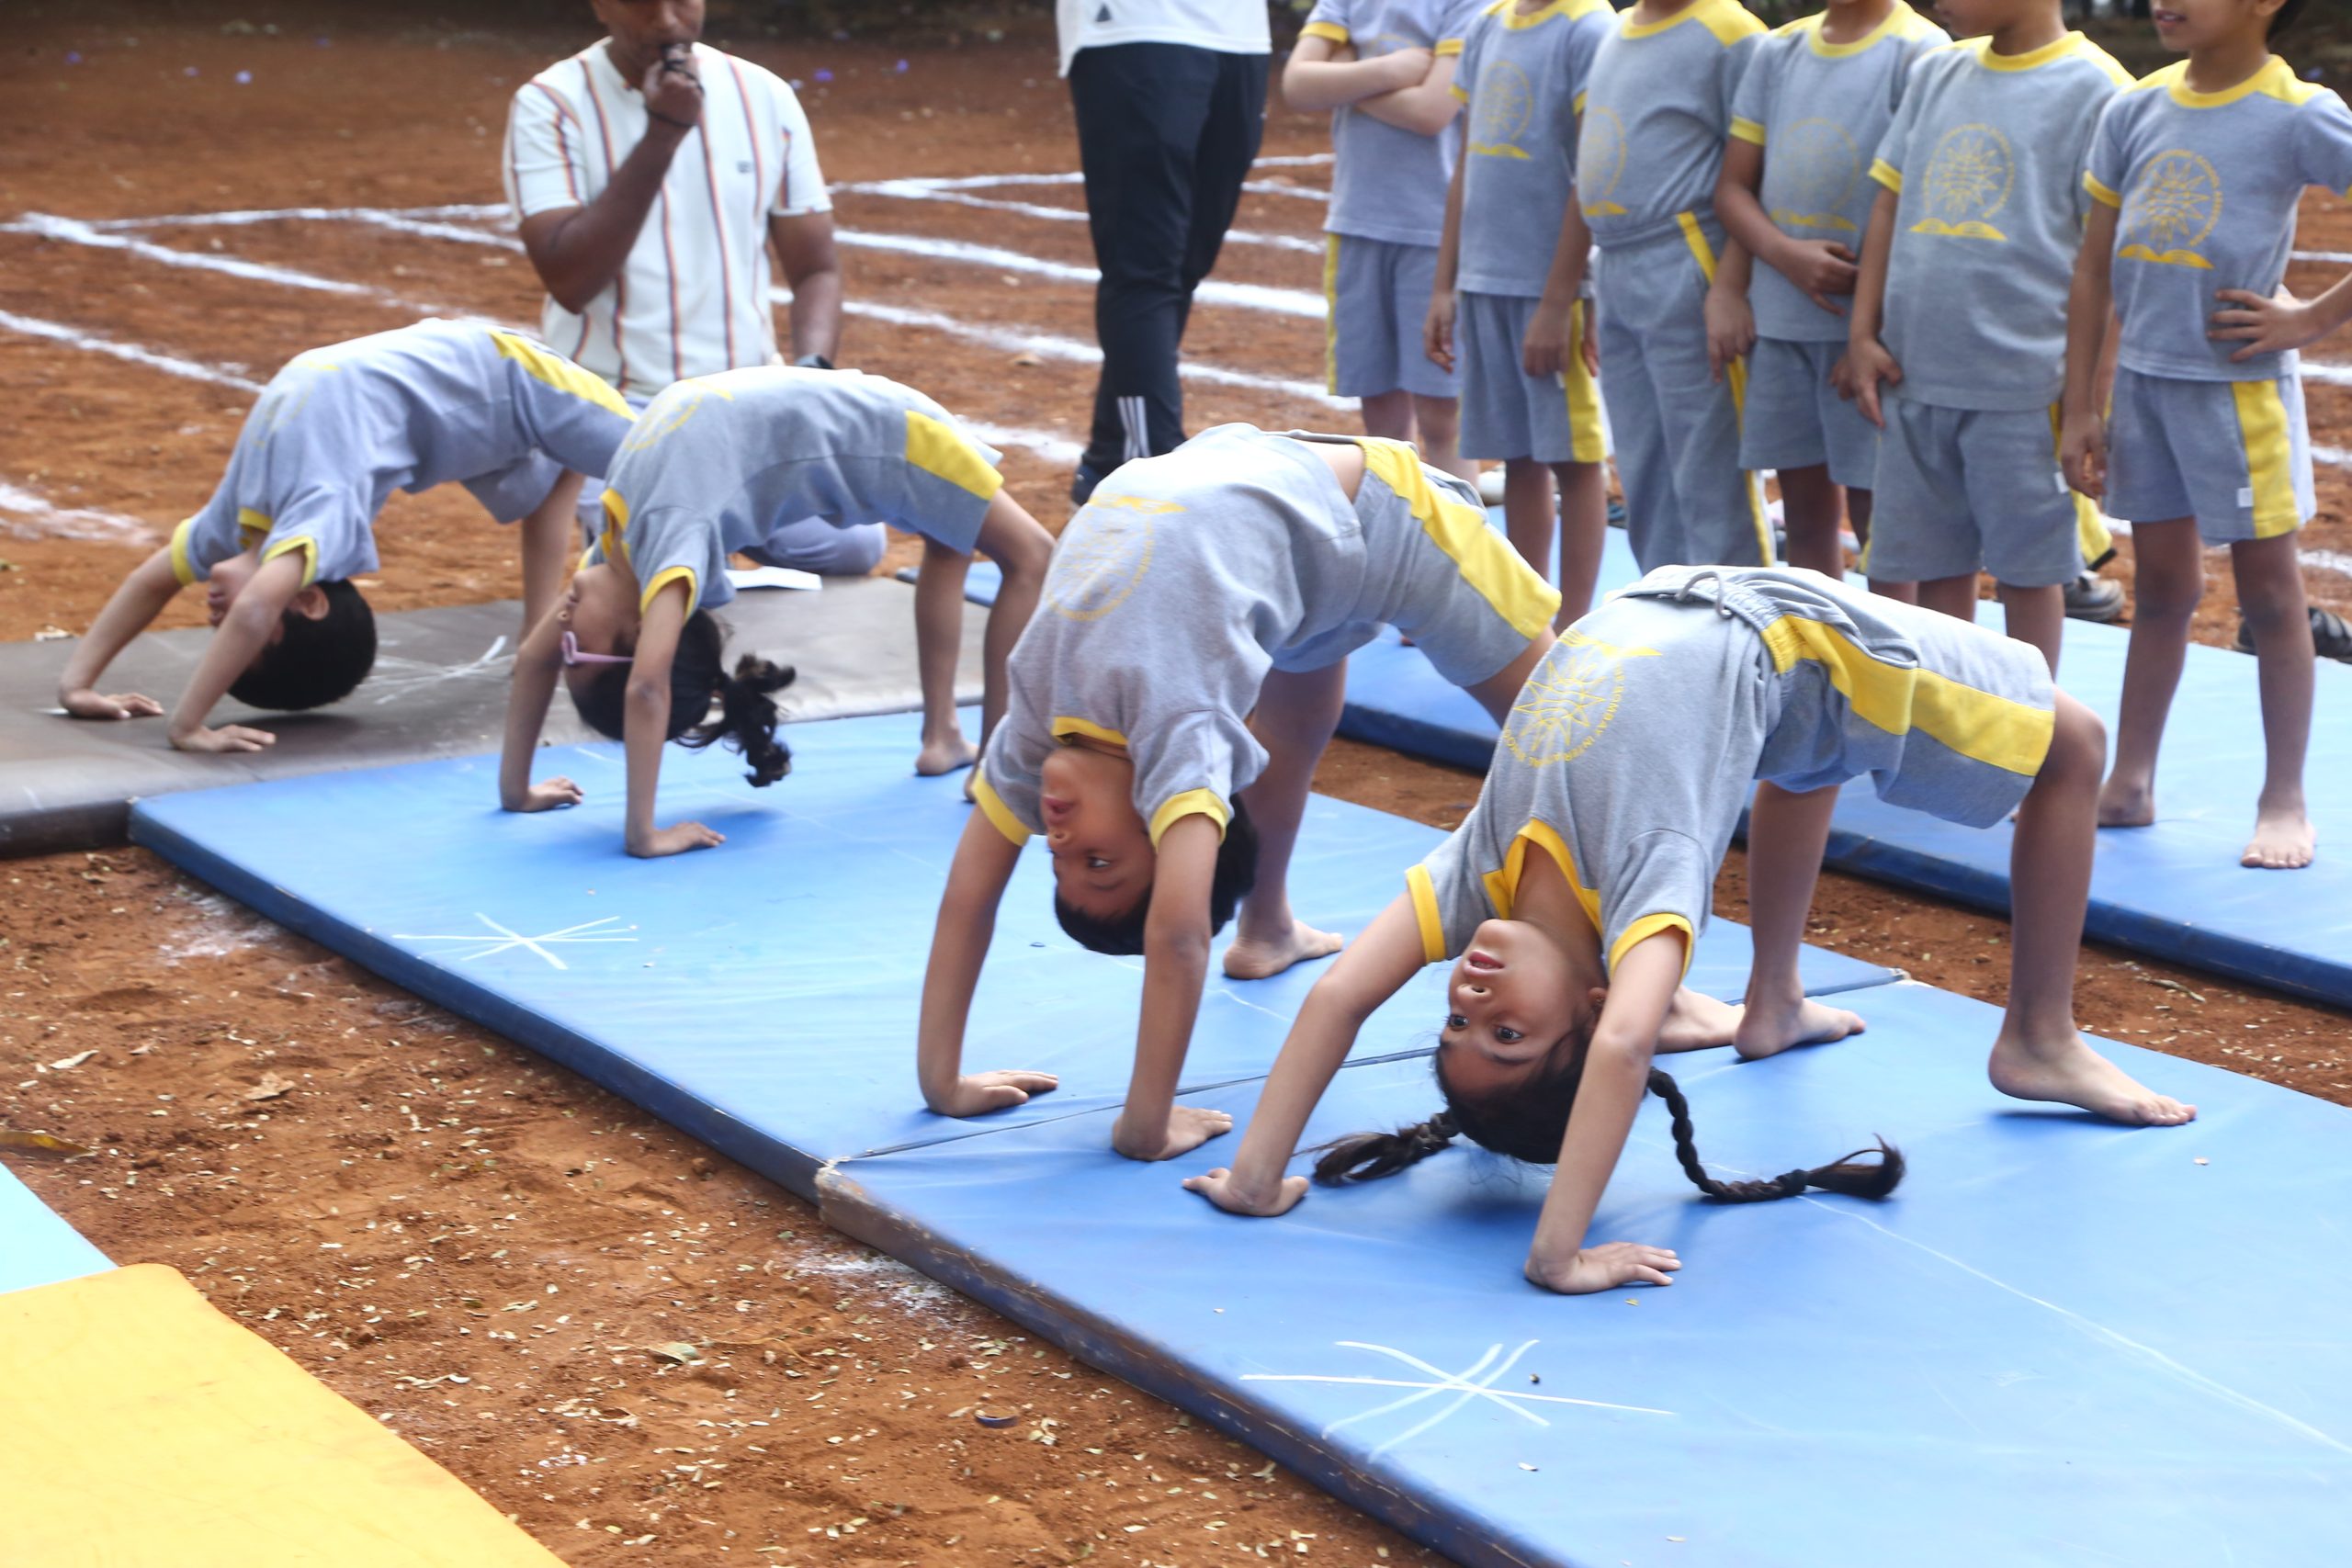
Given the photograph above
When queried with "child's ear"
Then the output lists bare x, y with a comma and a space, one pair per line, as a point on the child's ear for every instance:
310, 603
1598, 997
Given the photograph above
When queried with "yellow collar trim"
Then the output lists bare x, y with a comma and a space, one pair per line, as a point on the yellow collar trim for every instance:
1517, 20
1728, 20
1066, 727
1894, 24
2030, 61
2264, 81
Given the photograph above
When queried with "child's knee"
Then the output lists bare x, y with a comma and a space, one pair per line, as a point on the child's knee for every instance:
2077, 745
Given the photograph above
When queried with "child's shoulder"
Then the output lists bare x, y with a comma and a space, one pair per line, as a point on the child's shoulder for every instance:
1728, 20
2087, 56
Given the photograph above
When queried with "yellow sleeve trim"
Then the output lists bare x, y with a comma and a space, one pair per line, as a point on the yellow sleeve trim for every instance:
1488, 565
1447, 47
1423, 892
1650, 926
665, 576
945, 452
553, 369
1332, 30
1576, 105
183, 568
2100, 192
310, 548
1191, 803
1545, 837
1887, 174
998, 813
1461, 94
1748, 130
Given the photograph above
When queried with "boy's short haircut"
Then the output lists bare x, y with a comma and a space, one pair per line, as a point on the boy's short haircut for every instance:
1121, 935
314, 662
2281, 20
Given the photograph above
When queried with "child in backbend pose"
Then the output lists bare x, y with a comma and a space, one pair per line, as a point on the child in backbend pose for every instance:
713, 462
1572, 894
1672, 293
1795, 190
1168, 702
1385, 69
1508, 270
293, 520
2196, 172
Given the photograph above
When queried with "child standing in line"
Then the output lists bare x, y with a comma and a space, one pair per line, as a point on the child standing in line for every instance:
713, 462
2196, 172
1169, 701
1385, 69
294, 518
1795, 190
1959, 315
1508, 276
1572, 894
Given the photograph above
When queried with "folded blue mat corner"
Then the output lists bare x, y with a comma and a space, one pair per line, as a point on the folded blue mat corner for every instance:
37, 1248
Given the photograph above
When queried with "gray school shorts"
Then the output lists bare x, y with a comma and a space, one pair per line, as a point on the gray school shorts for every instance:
1794, 419
1378, 294
2236, 456
1961, 489
1508, 414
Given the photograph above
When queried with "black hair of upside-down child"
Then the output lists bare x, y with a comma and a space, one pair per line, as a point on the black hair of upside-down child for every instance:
314, 661
747, 715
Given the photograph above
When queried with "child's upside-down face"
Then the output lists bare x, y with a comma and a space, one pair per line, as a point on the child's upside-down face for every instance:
1103, 861
599, 609
1511, 1001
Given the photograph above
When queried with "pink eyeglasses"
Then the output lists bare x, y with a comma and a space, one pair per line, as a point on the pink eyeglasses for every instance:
572, 654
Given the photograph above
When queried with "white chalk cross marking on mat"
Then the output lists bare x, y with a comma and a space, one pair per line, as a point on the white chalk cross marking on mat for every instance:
503, 939
1456, 1384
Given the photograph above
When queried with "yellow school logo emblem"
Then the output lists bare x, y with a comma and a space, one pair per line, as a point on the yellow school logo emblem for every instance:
1816, 167
1600, 160
2173, 206
1102, 555
1506, 106
1969, 180
1569, 701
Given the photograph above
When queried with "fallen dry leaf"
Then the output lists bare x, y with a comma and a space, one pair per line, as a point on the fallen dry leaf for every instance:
270, 1088
11, 1139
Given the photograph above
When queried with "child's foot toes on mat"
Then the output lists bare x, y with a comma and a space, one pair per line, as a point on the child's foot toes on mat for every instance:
1767, 1029
939, 757
2123, 804
1186, 1129
2283, 840
2073, 1074
976, 1094
1251, 959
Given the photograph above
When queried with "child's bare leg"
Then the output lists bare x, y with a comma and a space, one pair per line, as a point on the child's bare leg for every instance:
1022, 550
1584, 530
939, 636
1527, 511
1499, 691
2040, 1055
2270, 591
1295, 717
1439, 423
2168, 579
1389, 415
2036, 616
1812, 509
1954, 596
1787, 833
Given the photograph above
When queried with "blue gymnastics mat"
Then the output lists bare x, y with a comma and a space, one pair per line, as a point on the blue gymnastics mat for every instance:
762, 996
2061, 1343
37, 1247
980, 582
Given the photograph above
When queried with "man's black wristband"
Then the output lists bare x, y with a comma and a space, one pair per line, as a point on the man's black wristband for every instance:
671, 120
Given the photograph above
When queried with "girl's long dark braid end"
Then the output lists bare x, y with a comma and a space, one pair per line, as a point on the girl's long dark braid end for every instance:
1853, 1175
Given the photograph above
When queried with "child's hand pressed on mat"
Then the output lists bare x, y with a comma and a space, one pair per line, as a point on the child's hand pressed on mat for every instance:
1605, 1268
1228, 1192
84, 703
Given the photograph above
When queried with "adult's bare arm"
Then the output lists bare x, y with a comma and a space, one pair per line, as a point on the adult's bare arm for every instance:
578, 251
805, 254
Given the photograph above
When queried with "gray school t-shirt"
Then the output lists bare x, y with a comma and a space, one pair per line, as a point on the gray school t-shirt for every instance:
1986, 155
2208, 185
1818, 109
1522, 76
1657, 108
714, 460
1388, 183
342, 427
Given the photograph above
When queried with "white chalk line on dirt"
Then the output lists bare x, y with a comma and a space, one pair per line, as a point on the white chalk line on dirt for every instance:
2331, 258
34, 516
32, 326
926, 190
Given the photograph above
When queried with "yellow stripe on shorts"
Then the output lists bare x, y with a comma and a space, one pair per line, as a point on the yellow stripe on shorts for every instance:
1735, 373
2092, 536
1586, 442
552, 369
1997, 731
1331, 314
1488, 563
2264, 427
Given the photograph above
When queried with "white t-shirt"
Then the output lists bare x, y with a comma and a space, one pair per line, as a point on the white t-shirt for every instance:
1228, 27
693, 298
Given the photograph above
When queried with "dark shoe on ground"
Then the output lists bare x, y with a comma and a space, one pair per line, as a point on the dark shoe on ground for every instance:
2091, 597
2331, 638
1082, 485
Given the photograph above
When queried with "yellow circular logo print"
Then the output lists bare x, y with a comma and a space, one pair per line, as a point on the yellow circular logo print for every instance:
1969, 180
1814, 169
1600, 160
1101, 557
1567, 703
2176, 202
1506, 104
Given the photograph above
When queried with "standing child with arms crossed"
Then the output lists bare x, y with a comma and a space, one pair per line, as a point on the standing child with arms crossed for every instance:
1958, 344
1571, 894
2196, 172
1393, 145
1508, 271
1795, 190
1672, 293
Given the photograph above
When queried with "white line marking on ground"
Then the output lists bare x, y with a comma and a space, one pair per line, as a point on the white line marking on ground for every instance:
931, 190
31, 326
40, 519
2326, 370
2331, 258
587, 932
1052, 447
1245, 295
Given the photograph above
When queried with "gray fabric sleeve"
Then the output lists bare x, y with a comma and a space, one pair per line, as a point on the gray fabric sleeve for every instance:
2323, 143
1659, 872
1202, 749
515, 491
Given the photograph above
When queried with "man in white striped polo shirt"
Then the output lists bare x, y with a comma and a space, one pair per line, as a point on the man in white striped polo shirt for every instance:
650, 174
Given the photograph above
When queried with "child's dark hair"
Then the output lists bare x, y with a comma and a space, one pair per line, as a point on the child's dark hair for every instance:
1237, 873
314, 661
1528, 1122
747, 716
2284, 17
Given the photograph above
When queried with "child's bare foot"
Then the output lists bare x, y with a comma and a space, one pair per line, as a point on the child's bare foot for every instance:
946, 756
1251, 959
2071, 1073
2124, 802
2283, 840
1769, 1028
1188, 1127
1695, 1022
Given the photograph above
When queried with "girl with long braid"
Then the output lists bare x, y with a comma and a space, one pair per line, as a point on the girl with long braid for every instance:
1569, 898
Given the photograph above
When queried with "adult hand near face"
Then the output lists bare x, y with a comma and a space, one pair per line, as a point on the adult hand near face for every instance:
673, 88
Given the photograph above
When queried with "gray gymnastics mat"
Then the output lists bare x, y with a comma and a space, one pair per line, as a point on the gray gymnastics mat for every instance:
438, 690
